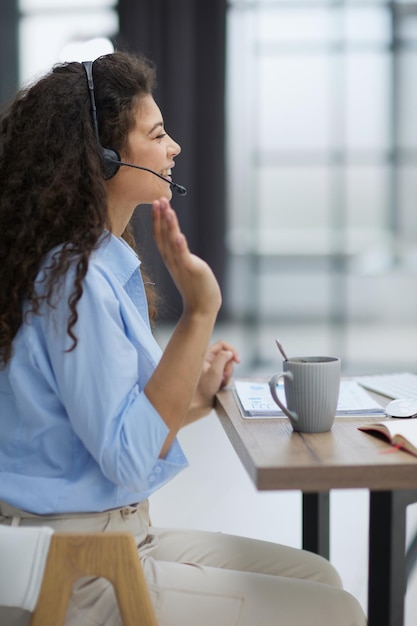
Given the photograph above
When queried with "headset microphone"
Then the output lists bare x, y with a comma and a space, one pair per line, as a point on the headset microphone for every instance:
111, 162
111, 158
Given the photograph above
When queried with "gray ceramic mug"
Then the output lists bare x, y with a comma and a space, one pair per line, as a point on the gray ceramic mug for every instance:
311, 386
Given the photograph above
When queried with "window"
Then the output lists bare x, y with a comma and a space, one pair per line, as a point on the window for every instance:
62, 30
322, 150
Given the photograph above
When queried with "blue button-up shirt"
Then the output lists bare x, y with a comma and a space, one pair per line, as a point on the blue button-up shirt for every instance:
77, 432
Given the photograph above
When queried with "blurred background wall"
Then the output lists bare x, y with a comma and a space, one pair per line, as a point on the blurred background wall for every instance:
297, 121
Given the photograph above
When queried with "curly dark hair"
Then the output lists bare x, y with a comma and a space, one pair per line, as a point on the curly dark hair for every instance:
52, 189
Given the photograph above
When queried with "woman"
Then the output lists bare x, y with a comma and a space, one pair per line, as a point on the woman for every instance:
90, 406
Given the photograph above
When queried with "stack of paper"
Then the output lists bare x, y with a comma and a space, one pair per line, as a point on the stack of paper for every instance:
255, 400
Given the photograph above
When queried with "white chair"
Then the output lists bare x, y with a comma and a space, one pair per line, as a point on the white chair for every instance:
40, 568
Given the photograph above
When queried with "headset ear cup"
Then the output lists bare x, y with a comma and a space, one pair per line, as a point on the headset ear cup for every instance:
110, 165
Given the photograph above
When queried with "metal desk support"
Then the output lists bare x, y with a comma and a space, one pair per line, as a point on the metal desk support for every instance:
316, 529
388, 560
387, 556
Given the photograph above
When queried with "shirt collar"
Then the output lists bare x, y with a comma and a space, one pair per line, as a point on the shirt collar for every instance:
117, 254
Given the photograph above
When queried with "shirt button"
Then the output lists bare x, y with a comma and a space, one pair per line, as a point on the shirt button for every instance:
152, 478
158, 469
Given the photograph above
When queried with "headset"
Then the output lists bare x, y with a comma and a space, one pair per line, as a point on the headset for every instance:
110, 157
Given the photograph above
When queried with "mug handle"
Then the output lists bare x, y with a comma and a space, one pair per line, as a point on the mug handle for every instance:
272, 386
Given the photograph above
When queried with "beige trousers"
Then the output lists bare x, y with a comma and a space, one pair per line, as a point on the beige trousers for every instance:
199, 578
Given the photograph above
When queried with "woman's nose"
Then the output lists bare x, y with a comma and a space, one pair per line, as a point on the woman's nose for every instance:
175, 147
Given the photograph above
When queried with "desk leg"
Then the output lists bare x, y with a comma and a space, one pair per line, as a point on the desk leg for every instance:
316, 523
387, 571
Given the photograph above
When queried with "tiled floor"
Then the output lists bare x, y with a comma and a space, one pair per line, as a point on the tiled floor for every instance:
215, 493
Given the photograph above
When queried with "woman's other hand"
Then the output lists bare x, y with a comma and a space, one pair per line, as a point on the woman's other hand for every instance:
216, 373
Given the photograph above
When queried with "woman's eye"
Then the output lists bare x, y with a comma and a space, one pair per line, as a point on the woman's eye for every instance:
161, 136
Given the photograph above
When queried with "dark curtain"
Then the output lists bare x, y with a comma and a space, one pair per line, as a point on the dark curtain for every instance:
9, 17
186, 40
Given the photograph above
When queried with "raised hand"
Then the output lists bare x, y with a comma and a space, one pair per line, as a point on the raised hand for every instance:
180, 368
192, 276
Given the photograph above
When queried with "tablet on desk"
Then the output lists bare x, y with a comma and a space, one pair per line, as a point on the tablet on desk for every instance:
255, 401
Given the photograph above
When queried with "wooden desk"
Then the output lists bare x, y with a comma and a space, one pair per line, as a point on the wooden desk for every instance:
277, 458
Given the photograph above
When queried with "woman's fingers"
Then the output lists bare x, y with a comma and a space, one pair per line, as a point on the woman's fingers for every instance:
192, 276
220, 345
217, 370
171, 242
223, 354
